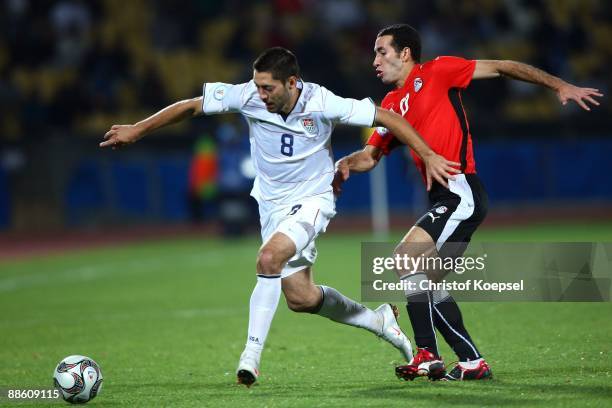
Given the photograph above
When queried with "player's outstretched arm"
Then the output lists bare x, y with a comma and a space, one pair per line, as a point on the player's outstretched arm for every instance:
524, 72
120, 135
436, 166
359, 161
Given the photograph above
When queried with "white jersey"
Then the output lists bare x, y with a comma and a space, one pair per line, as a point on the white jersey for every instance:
292, 157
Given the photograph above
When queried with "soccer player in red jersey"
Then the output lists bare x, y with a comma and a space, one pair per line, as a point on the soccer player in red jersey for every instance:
428, 96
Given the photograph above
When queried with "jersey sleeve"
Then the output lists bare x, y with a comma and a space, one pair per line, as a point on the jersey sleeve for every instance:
457, 72
383, 139
223, 98
348, 111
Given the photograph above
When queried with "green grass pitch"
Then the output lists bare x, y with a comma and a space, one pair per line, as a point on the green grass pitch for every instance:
167, 320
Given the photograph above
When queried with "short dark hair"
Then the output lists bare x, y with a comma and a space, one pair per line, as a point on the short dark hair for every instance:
404, 36
278, 61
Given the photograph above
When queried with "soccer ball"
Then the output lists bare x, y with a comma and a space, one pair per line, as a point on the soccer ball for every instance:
78, 379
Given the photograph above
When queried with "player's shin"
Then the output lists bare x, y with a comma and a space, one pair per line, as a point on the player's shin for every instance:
449, 321
420, 310
262, 307
263, 304
337, 307
382, 321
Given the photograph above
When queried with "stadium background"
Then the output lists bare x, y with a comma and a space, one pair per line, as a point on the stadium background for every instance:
98, 250
70, 69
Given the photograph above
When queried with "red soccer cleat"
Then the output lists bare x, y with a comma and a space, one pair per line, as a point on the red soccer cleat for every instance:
481, 372
424, 363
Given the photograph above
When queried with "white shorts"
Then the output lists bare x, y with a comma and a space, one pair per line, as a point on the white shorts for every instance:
302, 221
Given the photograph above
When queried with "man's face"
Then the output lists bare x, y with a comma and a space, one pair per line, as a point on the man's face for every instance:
273, 92
387, 61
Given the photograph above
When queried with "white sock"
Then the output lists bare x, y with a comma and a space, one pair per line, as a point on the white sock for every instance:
470, 365
341, 309
439, 296
262, 307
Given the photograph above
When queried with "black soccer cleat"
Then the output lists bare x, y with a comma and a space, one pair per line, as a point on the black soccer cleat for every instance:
481, 372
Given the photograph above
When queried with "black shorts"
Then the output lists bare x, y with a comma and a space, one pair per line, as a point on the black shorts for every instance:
455, 213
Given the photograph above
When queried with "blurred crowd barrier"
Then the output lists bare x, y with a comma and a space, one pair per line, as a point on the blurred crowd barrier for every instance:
69, 69
93, 190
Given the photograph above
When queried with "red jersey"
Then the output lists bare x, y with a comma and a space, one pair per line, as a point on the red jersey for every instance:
430, 101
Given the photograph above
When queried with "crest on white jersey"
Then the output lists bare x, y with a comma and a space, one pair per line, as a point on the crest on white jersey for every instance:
310, 125
418, 84
219, 92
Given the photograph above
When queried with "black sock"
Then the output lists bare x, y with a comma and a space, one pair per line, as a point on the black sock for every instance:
420, 311
450, 324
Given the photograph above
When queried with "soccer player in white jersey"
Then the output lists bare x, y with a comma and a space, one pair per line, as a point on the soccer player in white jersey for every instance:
290, 124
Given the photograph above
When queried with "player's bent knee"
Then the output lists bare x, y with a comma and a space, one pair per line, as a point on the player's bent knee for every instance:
268, 262
400, 249
414, 250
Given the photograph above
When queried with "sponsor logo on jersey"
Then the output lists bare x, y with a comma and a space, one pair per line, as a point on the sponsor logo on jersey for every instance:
441, 210
404, 104
418, 84
219, 93
310, 125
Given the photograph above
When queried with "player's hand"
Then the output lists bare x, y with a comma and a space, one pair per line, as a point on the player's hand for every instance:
440, 169
342, 174
121, 135
581, 96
